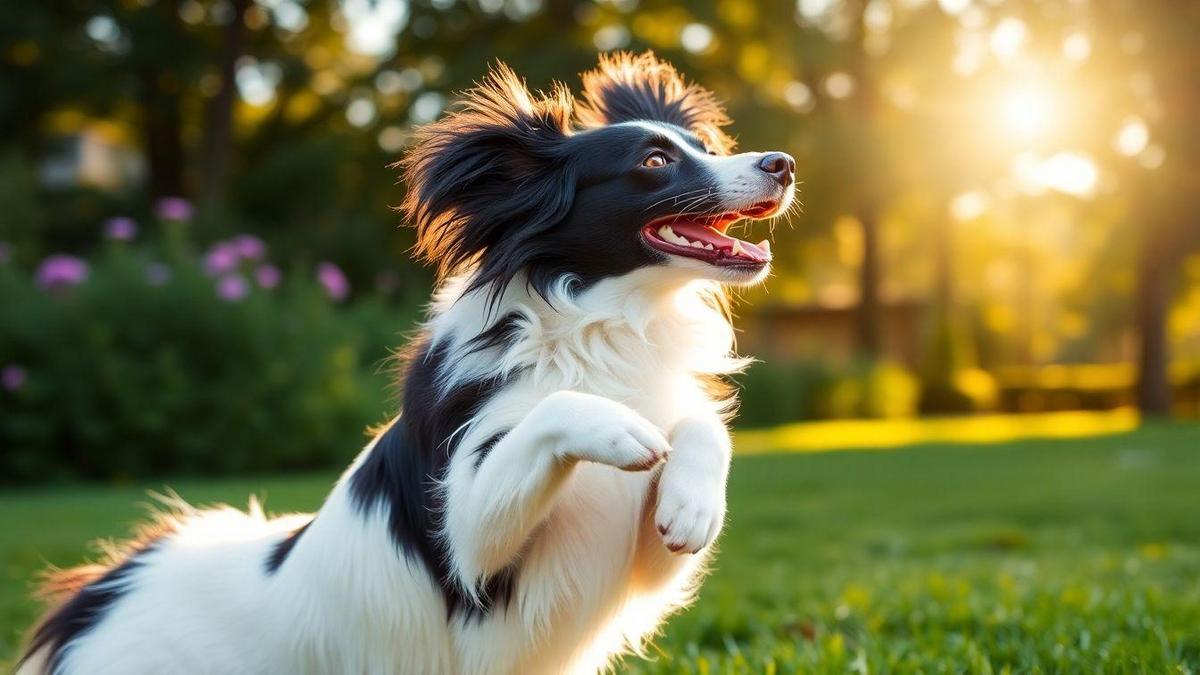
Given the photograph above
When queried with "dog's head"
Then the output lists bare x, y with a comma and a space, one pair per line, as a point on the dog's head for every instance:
637, 174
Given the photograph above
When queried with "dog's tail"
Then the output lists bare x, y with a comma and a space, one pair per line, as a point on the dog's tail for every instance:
76, 594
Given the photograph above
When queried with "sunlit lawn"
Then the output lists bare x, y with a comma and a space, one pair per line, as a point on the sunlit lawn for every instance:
1078, 555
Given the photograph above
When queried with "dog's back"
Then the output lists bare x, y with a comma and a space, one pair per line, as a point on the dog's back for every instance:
178, 593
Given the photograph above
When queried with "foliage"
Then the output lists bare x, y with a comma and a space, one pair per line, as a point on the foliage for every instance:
1037, 556
146, 367
776, 393
808, 389
962, 391
906, 114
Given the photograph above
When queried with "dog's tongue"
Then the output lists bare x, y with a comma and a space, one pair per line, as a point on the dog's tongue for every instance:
760, 252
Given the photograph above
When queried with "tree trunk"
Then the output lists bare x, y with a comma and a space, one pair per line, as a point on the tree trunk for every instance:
1153, 386
867, 324
161, 90
867, 320
218, 131
163, 130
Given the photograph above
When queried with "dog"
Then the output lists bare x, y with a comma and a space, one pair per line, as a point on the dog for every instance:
555, 478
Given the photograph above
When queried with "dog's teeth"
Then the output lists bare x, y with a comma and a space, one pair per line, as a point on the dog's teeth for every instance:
696, 244
708, 246
737, 247
765, 245
668, 234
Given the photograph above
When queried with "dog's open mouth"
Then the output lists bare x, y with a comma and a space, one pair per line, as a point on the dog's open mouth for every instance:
703, 237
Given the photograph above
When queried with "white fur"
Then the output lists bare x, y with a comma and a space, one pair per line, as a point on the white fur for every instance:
604, 385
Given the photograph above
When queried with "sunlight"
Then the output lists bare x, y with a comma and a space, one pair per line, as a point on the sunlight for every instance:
1070, 173
1077, 47
1066, 172
893, 433
374, 25
1027, 110
968, 206
1008, 37
1133, 137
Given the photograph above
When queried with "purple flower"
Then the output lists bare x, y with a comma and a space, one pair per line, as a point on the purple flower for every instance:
249, 246
267, 275
61, 271
12, 377
333, 280
120, 228
222, 258
157, 274
232, 287
5, 252
174, 208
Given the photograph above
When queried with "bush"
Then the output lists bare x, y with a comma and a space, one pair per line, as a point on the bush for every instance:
811, 389
967, 390
129, 368
773, 393
875, 389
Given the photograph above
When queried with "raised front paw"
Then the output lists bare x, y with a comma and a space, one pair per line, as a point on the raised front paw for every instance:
606, 432
690, 512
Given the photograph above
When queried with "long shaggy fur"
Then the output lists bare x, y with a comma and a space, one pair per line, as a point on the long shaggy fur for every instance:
628, 87
554, 480
461, 172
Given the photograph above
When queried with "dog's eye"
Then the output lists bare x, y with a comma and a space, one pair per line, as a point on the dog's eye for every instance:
656, 160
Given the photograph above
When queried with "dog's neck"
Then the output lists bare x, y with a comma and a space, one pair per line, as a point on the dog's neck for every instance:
622, 329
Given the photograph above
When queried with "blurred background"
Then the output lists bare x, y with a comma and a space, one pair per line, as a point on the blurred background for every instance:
999, 198
201, 271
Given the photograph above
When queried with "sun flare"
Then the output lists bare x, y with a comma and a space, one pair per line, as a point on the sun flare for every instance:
1027, 110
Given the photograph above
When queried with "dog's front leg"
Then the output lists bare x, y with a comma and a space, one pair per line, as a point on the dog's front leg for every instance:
491, 510
691, 490
685, 513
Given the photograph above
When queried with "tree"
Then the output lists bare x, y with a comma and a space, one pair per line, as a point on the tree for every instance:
1164, 220
867, 149
218, 131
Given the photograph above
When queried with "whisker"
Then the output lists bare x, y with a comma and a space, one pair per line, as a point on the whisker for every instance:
677, 197
696, 200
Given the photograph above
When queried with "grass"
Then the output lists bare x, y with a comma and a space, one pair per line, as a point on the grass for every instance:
1060, 555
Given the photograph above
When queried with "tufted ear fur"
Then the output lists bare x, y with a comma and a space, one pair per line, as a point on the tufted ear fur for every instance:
627, 87
488, 177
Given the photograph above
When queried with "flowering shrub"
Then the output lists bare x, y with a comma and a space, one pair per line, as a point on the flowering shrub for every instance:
145, 360
333, 281
121, 228
174, 208
61, 271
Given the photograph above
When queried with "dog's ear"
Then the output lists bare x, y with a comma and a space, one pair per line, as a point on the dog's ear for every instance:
492, 171
627, 87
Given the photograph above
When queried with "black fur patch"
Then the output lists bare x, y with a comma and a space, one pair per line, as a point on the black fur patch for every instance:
503, 333
82, 611
280, 551
400, 474
485, 448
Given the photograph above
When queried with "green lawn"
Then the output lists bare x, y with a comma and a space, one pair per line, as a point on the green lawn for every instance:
1077, 555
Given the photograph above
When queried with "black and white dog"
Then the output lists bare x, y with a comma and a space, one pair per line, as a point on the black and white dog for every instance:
556, 475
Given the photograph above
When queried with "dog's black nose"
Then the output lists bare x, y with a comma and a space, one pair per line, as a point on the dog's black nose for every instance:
780, 165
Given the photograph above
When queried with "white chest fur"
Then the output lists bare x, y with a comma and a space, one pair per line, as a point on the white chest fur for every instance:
595, 576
